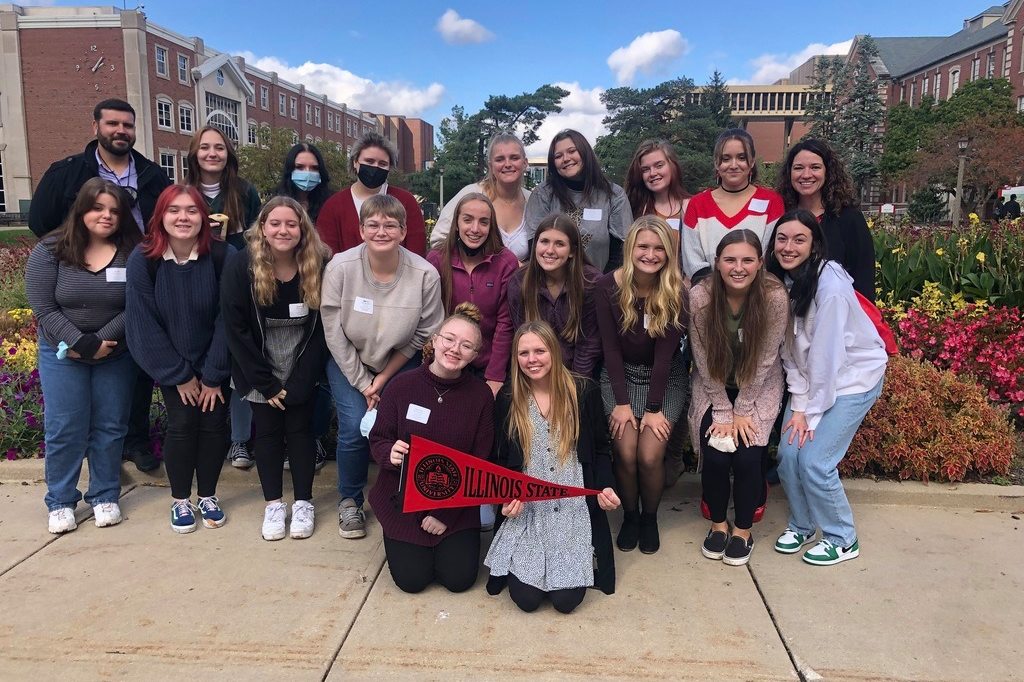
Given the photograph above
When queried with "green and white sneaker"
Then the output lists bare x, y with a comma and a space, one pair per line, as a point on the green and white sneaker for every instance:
826, 554
790, 541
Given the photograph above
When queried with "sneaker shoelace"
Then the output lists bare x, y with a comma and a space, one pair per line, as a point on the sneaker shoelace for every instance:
349, 514
276, 513
302, 514
183, 508
106, 507
209, 504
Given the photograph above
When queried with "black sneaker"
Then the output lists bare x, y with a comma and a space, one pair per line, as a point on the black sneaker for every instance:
321, 455
144, 459
629, 533
738, 551
714, 544
649, 540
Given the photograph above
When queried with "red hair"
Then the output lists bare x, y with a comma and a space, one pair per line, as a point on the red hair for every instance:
154, 245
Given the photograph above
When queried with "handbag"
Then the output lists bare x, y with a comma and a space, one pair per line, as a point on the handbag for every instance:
875, 315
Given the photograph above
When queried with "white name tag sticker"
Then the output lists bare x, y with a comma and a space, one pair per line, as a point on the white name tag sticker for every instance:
116, 275
758, 205
363, 305
739, 334
647, 320
592, 213
673, 223
417, 414
298, 310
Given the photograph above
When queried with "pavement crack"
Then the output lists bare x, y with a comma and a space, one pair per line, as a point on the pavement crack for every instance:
352, 623
803, 671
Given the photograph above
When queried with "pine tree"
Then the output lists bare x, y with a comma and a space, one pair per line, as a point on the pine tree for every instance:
829, 74
858, 133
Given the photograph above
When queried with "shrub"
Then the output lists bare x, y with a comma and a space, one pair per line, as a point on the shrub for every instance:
930, 424
12, 275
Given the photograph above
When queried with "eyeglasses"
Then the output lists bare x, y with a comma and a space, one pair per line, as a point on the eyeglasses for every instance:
373, 227
449, 343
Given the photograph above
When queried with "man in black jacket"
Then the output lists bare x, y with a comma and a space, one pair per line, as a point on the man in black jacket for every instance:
110, 156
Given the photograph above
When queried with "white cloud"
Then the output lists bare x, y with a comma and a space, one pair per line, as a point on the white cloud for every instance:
649, 53
458, 31
341, 85
582, 110
769, 68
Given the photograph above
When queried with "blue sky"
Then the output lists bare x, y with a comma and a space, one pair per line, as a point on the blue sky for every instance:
419, 58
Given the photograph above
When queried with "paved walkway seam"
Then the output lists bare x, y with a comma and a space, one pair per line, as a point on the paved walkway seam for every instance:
799, 667
352, 623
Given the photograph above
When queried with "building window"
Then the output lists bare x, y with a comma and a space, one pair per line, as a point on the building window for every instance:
167, 162
1020, 104
330, 120
309, 112
938, 86
183, 69
185, 120
161, 61
220, 76
249, 98
309, 139
282, 103
164, 114
975, 68
264, 97
295, 137
991, 69
294, 107
913, 91
954, 81
252, 133
924, 88
316, 116
184, 165
264, 134
348, 126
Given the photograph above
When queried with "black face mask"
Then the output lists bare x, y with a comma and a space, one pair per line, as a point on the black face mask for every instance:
468, 251
372, 176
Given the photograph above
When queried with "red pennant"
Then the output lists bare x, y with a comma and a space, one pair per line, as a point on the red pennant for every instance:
436, 477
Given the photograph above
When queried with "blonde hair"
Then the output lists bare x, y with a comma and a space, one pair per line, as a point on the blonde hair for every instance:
665, 306
309, 255
563, 411
467, 312
490, 183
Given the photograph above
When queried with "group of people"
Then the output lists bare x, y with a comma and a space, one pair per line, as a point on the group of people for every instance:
560, 332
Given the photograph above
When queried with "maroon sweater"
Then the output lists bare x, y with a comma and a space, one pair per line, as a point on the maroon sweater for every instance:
635, 347
464, 422
338, 222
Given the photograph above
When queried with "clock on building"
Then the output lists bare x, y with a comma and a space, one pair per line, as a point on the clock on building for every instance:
96, 67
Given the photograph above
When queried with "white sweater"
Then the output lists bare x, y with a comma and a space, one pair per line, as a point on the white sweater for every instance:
835, 349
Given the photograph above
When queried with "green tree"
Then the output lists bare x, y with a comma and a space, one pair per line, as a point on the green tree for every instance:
263, 163
821, 106
860, 115
926, 205
907, 130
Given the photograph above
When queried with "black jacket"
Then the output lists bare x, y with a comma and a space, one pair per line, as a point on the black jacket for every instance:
59, 186
244, 323
849, 243
594, 453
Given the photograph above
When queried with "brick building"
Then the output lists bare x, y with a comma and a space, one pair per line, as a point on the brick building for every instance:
56, 63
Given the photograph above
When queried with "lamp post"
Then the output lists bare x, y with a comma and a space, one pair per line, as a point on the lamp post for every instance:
961, 145
440, 170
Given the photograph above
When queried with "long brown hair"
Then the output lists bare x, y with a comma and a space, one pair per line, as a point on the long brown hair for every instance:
665, 304
593, 178
744, 139
640, 198
715, 332
71, 239
576, 282
309, 255
492, 244
837, 189
231, 186
563, 411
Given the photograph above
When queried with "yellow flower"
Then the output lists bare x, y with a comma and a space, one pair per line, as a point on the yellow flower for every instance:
973, 217
871, 223
981, 256
938, 252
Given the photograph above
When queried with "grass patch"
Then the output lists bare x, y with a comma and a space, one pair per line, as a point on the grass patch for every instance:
11, 237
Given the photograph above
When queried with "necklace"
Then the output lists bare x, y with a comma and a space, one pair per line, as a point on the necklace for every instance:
440, 396
734, 191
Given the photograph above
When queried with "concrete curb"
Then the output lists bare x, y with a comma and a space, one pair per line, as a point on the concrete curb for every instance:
977, 496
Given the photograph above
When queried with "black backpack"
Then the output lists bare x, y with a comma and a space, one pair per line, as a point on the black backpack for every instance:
218, 252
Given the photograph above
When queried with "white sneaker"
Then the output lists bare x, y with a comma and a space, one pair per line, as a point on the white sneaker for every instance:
106, 514
273, 521
302, 519
62, 520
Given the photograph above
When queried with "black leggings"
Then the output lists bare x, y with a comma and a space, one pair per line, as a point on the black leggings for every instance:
528, 597
285, 433
747, 477
195, 445
454, 562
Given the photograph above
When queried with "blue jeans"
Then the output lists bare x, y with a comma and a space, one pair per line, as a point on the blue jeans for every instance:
85, 418
353, 449
241, 418
809, 474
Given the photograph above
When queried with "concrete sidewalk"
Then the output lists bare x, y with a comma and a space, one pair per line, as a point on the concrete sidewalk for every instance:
936, 595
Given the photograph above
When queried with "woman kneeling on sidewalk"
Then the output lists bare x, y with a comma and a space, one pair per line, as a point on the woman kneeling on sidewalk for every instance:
271, 307
835, 363
448, 405
550, 425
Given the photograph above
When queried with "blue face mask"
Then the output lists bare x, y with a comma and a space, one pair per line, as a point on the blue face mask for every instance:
305, 180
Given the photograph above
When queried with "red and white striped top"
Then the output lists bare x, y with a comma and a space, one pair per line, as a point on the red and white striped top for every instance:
705, 224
